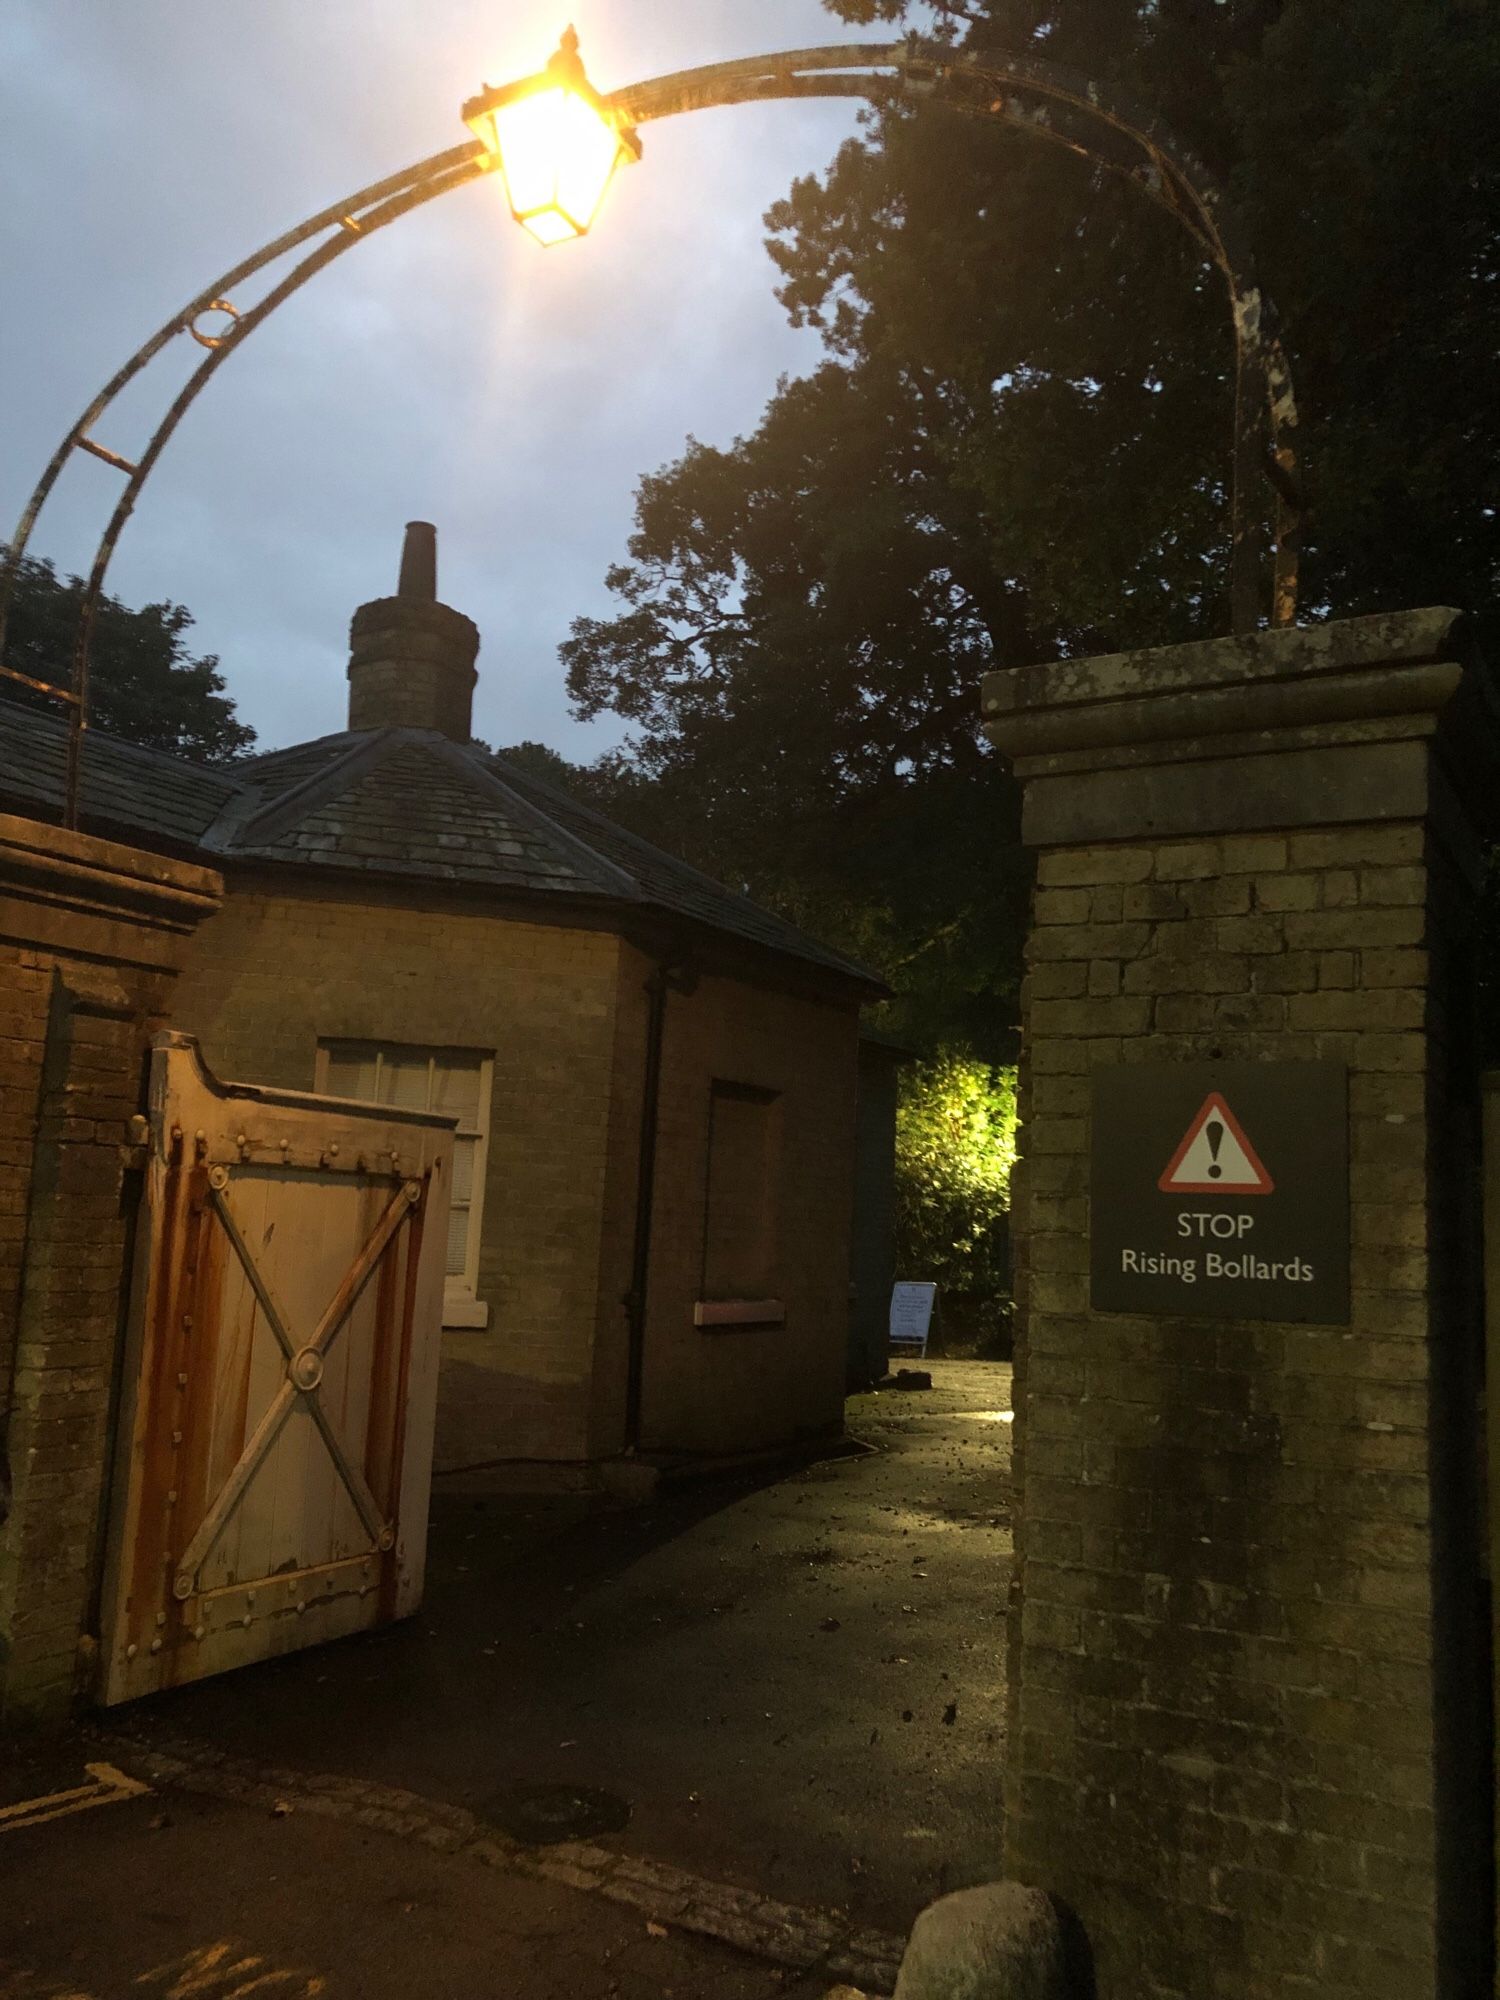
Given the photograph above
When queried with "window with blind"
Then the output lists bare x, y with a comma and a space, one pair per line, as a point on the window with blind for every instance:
457, 1083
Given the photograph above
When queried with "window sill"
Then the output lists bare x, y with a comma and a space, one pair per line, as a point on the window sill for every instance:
463, 1310
739, 1312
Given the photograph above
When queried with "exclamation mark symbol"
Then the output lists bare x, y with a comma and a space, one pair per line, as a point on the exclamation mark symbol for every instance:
1213, 1131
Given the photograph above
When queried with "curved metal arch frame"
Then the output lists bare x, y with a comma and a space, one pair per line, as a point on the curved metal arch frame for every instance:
1023, 92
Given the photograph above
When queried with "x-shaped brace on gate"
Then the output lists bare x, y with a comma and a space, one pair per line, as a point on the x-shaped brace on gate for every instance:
304, 1374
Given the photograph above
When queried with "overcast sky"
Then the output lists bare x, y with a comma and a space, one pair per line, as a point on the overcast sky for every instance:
447, 370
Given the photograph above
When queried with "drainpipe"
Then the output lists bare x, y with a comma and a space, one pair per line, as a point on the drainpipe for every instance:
668, 977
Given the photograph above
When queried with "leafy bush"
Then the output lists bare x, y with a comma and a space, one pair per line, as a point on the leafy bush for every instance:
955, 1146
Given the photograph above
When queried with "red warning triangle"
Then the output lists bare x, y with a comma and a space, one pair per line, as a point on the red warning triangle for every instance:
1215, 1157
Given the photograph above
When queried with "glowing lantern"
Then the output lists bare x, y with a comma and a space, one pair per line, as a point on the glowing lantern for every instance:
555, 142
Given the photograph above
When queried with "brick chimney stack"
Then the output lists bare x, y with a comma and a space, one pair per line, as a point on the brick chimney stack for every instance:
411, 659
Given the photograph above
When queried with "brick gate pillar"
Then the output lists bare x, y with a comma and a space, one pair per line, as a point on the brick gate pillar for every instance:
91, 936
1250, 1744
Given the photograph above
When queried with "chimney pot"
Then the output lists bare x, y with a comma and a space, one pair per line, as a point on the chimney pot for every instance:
419, 563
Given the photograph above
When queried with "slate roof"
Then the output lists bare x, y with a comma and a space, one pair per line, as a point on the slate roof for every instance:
123, 785
407, 804
662, 879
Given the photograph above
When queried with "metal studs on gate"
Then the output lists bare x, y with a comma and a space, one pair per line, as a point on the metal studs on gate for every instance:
306, 1369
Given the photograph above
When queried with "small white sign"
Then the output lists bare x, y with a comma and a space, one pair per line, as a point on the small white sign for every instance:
911, 1315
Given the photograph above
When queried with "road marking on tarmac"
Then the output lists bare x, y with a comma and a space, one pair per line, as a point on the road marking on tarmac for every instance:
107, 1788
210, 1972
211, 1969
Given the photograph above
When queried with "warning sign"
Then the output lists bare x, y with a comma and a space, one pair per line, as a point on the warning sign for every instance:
1221, 1191
1215, 1157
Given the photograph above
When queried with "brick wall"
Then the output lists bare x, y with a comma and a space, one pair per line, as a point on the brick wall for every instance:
89, 937
1226, 1528
732, 1390
1249, 1745
26, 981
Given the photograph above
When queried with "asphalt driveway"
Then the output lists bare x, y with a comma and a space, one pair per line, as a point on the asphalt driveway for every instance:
794, 1684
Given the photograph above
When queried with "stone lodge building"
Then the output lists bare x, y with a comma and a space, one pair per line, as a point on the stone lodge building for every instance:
655, 1081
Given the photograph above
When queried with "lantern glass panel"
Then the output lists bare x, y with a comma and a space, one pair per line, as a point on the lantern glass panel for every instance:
548, 226
586, 159
557, 152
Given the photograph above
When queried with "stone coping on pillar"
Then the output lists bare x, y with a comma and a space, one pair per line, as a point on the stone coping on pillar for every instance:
1325, 724
90, 898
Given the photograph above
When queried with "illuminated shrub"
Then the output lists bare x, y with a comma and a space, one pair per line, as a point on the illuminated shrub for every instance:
955, 1146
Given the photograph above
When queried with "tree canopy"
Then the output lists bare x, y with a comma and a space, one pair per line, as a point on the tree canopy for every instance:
144, 684
1016, 448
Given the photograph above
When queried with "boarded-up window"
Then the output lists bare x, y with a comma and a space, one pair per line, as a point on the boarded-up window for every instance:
455, 1082
742, 1220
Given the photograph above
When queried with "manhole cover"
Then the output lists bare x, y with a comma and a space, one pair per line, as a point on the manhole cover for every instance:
542, 1815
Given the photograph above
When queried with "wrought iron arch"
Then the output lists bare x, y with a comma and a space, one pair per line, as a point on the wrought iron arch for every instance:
1033, 96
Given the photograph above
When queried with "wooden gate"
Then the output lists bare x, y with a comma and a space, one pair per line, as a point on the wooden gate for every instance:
275, 1432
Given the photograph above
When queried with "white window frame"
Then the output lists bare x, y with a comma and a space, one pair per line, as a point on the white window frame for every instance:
462, 1306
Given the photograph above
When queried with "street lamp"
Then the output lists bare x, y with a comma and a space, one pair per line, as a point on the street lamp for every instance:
556, 144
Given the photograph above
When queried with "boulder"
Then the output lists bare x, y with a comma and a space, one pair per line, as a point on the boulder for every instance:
997, 1942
